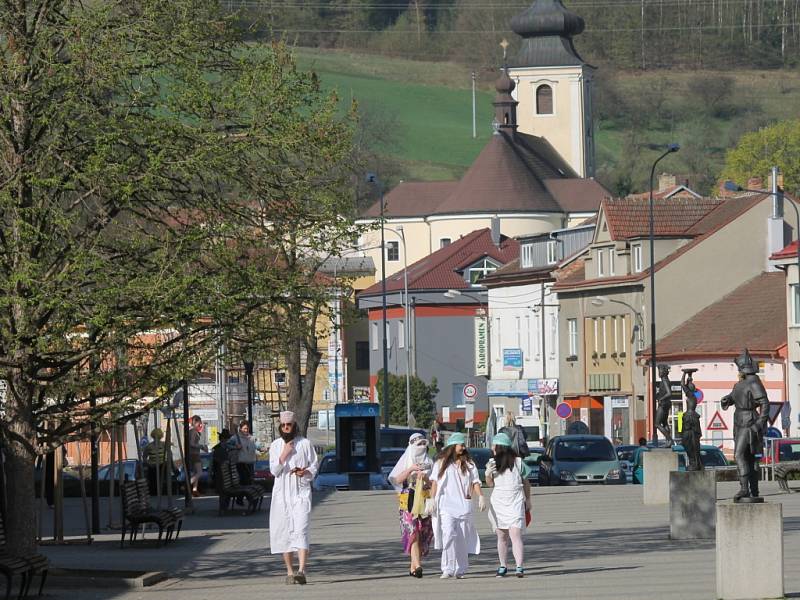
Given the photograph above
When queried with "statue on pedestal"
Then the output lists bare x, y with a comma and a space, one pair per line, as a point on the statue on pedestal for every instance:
691, 423
664, 400
749, 423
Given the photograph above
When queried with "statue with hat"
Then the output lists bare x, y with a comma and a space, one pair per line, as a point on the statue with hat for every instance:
664, 403
749, 422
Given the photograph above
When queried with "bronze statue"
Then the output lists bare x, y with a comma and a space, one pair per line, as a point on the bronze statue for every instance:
748, 395
664, 400
691, 423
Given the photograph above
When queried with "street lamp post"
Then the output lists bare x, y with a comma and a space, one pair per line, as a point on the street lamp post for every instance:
653, 370
373, 179
248, 371
407, 340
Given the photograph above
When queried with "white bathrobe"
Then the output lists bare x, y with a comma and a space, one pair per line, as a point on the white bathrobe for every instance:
453, 527
507, 505
290, 507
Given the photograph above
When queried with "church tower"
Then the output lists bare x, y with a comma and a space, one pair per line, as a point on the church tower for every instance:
554, 84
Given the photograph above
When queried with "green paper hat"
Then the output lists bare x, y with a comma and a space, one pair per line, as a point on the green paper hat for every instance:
501, 439
456, 438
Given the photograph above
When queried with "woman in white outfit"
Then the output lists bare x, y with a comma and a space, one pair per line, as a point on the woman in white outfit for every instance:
455, 481
511, 498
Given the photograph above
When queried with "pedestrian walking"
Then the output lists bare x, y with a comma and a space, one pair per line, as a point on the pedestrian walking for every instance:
195, 447
516, 433
243, 448
510, 503
293, 463
411, 479
219, 456
455, 481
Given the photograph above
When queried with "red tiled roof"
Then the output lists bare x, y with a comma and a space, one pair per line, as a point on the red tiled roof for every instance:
789, 251
440, 270
723, 212
668, 192
630, 217
412, 199
752, 316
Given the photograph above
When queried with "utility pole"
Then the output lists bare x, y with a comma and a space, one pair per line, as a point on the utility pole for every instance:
474, 130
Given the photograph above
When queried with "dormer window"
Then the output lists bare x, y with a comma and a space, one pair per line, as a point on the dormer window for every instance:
611, 270
601, 263
480, 269
637, 258
544, 100
552, 252
526, 256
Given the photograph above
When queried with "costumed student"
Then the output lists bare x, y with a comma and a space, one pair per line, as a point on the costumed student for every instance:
293, 463
510, 501
410, 478
455, 481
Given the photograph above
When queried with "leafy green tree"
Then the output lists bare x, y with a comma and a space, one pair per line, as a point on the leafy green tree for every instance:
757, 152
423, 405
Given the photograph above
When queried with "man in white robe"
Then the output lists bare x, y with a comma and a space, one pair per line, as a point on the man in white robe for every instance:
293, 462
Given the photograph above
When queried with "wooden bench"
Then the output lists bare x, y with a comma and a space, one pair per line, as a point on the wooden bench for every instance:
232, 488
25, 566
781, 472
136, 511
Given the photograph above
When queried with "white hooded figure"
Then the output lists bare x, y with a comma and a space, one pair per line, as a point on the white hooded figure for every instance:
293, 462
416, 454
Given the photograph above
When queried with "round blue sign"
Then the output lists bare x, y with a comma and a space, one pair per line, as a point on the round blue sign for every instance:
698, 393
564, 410
773, 432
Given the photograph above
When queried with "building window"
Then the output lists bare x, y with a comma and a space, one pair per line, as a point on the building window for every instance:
392, 251
616, 339
544, 100
601, 267
552, 252
605, 337
526, 254
481, 269
518, 323
594, 345
553, 334
444, 242
401, 334
375, 334
362, 356
527, 349
795, 305
637, 258
611, 262
572, 331
624, 336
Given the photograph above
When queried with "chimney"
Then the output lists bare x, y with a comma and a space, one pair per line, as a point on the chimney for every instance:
496, 231
776, 235
665, 180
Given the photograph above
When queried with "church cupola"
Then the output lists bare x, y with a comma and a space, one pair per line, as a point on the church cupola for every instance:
546, 29
505, 107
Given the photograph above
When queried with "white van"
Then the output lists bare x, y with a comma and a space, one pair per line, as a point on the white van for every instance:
530, 425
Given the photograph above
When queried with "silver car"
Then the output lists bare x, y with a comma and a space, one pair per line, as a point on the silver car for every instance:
574, 459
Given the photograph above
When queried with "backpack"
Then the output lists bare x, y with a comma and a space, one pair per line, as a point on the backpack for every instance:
518, 443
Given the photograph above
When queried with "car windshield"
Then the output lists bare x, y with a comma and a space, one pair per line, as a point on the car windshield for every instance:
533, 458
328, 465
789, 451
712, 458
584, 450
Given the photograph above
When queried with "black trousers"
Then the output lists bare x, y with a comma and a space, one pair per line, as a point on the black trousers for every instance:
245, 471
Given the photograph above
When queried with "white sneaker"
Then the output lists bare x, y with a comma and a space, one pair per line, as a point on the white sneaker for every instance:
460, 576
445, 576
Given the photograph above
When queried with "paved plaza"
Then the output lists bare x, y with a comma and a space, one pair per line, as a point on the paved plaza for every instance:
584, 542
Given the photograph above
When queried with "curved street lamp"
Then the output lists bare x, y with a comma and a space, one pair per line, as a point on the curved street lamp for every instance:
653, 370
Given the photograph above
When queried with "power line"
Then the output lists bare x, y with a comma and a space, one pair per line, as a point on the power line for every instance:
497, 33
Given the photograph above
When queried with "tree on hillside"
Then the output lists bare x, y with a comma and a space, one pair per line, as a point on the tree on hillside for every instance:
125, 126
757, 152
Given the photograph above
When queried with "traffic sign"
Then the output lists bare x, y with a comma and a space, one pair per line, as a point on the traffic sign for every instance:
772, 432
698, 393
774, 411
470, 392
717, 423
564, 410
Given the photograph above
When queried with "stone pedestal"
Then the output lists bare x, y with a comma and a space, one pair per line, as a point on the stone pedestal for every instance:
692, 505
749, 551
657, 465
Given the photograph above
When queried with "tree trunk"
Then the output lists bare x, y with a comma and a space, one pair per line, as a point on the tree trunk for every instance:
20, 522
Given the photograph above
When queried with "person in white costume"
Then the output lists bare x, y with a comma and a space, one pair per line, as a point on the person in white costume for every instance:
455, 481
293, 462
511, 500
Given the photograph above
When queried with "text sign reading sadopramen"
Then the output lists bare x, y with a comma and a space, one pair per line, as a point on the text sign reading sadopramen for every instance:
481, 347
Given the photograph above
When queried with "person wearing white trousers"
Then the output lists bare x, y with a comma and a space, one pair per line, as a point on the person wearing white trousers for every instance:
455, 481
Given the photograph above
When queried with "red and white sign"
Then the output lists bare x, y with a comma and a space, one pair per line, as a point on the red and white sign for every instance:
470, 392
717, 423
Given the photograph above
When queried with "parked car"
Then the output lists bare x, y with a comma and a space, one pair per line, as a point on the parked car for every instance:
328, 477
397, 437
481, 456
711, 457
625, 456
389, 458
781, 450
131, 469
262, 474
207, 476
574, 459
532, 462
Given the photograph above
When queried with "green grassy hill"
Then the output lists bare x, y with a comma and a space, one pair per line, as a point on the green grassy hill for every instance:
428, 106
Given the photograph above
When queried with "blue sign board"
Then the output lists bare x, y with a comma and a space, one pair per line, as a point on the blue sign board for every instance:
512, 359
527, 404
